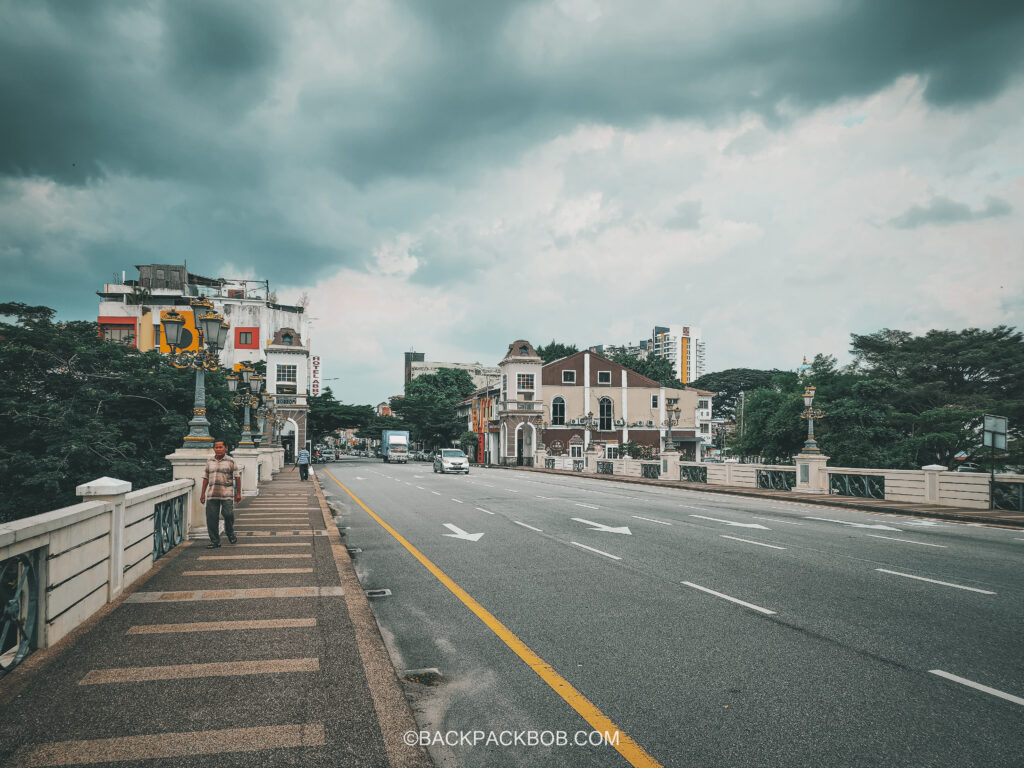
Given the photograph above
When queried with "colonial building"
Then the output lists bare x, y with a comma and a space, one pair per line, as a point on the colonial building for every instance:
288, 382
581, 400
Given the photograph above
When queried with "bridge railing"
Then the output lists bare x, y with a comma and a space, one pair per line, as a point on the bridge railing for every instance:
58, 568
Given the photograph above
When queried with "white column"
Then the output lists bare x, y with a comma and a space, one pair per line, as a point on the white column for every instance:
112, 490
625, 406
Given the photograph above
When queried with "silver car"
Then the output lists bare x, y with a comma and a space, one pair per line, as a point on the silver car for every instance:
451, 460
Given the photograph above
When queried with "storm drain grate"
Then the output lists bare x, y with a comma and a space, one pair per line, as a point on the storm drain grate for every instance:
378, 593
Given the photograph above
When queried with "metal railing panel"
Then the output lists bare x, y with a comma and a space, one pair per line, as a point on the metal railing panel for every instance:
861, 486
19, 603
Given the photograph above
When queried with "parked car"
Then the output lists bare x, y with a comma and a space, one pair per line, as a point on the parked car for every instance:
451, 460
968, 466
328, 455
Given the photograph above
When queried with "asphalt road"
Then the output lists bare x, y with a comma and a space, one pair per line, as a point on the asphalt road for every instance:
710, 630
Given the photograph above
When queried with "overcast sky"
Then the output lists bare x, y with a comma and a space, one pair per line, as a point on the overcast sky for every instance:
451, 176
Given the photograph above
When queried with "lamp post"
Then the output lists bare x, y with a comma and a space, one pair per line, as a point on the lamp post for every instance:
670, 421
248, 399
591, 422
213, 334
810, 413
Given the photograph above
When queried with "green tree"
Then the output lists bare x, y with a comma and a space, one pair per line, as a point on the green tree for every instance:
555, 351
74, 408
327, 415
727, 386
428, 408
657, 368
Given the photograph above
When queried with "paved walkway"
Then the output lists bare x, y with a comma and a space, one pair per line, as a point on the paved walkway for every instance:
260, 653
963, 514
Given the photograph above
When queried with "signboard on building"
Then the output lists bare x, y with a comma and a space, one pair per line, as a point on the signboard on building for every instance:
315, 378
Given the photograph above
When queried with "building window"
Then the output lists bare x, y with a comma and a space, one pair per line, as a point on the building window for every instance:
286, 339
654, 402
576, 451
611, 452
122, 335
285, 389
287, 373
604, 377
605, 407
245, 337
558, 412
568, 377
705, 428
524, 381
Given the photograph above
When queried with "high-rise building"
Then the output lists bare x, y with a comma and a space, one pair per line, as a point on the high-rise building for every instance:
683, 346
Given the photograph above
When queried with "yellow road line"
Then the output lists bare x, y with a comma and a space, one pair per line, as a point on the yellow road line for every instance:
629, 749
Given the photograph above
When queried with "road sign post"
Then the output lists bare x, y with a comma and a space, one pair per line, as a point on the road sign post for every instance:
994, 436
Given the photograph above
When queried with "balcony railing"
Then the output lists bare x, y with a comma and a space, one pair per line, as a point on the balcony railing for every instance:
507, 406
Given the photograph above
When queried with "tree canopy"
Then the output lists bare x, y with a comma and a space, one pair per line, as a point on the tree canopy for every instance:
555, 351
429, 407
727, 386
904, 402
74, 408
657, 368
327, 415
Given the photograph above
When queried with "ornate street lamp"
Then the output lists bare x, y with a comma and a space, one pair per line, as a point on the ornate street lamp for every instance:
671, 420
248, 399
213, 333
810, 413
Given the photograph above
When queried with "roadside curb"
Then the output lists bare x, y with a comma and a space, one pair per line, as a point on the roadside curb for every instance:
815, 500
394, 715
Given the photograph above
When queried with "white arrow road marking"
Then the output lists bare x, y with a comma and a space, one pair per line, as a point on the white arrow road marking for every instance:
511, 490
436, 493
481, 509
923, 522
458, 502
588, 506
538, 530
730, 599
421, 487
855, 525
604, 528
360, 478
598, 551
458, 533
933, 581
774, 520
738, 525
748, 541
908, 541
546, 498
977, 686
649, 520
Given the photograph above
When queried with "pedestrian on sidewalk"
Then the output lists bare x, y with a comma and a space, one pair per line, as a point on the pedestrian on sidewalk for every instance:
303, 461
220, 477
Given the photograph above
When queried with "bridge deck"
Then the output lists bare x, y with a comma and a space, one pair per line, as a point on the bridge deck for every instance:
246, 654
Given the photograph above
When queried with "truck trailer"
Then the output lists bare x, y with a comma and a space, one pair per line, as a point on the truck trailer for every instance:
394, 446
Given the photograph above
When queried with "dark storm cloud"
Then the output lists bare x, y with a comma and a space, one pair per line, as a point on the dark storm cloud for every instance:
476, 90
179, 93
90, 88
943, 212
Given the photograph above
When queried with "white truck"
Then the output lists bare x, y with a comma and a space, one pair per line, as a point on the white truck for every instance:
394, 446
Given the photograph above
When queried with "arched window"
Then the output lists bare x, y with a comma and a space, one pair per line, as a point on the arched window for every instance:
606, 414
558, 412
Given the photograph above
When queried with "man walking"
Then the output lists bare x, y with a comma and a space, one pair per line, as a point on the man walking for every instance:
303, 461
220, 478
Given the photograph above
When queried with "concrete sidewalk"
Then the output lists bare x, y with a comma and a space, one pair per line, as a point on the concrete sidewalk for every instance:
260, 653
935, 511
